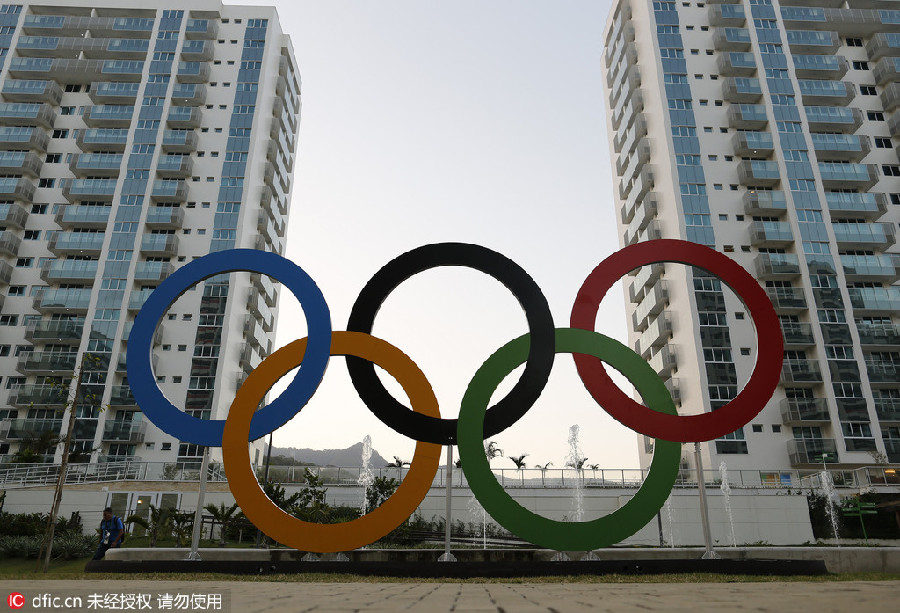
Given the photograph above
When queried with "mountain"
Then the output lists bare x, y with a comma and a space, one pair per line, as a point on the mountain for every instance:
351, 456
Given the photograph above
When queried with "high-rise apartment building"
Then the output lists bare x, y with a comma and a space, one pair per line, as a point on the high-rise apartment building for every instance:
135, 137
765, 130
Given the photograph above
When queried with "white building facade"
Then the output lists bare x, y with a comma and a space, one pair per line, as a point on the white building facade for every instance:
134, 138
765, 129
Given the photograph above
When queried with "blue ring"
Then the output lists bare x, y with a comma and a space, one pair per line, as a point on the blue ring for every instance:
208, 432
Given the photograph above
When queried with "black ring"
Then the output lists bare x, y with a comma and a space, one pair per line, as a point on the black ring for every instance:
541, 352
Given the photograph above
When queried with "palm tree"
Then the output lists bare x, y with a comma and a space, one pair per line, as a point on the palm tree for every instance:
157, 520
491, 450
224, 515
397, 463
519, 460
543, 467
182, 526
577, 464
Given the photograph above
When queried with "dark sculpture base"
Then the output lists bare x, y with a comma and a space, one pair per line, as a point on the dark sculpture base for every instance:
461, 570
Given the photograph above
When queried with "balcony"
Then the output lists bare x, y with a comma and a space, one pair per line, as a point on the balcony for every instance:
643, 215
726, 14
12, 188
253, 331
771, 234
47, 362
797, 334
883, 44
816, 92
877, 236
256, 304
115, 431
818, 451
32, 90
78, 25
882, 372
813, 41
890, 96
67, 331
151, 273
19, 138
179, 141
39, 395
655, 300
197, 51
83, 216
27, 114
833, 118
80, 243
766, 203
70, 271
192, 72
203, 29
102, 139
108, 115
748, 116
96, 164
736, 64
777, 266
820, 66
874, 300
19, 429
88, 189
800, 411
184, 117
664, 361
175, 166
13, 215
5, 274
887, 70
188, 94
751, 143
801, 372
113, 92
741, 89
657, 333
121, 396
249, 359
171, 190
892, 449
883, 267
787, 299
860, 176
165, 217
631, 134
887, 409
266, 287
840, 146
63, 300
758, 172
865, 205
74, 70
732, 39
879, 335
9, 243
159, 245
20, 163
136, 301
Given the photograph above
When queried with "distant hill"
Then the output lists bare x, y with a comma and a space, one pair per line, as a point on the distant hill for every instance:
351, 456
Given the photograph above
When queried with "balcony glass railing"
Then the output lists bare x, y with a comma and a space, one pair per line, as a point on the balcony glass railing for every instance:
831, 114
114, 89
77, 241
71, 269
821, 88
875, 298
875, 265
847, 172
122, 67
853, 203
817, 62
63, 299
76, 214
871, 233
838, 142
811, 38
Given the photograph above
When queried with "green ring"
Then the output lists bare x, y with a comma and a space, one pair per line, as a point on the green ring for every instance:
566, 536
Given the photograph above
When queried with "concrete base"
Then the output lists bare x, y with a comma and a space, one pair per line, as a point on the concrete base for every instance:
521, 562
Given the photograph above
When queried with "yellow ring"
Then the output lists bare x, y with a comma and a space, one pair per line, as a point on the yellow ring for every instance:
308, 536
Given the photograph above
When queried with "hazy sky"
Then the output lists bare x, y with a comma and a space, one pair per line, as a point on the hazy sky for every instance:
466, 121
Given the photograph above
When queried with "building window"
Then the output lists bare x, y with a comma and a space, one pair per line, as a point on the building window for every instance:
854, 42
46, 182
32, 235
883, 142
24, 262
38, 209
890, 170
867, 90
9, 320
857, 65
16, 290
874, 115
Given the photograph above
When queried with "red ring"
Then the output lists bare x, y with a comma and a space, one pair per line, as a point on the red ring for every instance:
682, 428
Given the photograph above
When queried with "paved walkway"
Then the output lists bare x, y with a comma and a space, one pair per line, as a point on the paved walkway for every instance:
252, 596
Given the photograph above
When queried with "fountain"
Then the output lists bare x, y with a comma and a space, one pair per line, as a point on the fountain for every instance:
726, 493
366, 477
576, 460
477, 511
671, 525
830, 504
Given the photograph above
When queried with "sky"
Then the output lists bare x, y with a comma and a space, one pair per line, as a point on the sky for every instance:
467, 121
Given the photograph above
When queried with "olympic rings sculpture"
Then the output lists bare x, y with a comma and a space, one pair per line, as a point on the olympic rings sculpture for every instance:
537, 349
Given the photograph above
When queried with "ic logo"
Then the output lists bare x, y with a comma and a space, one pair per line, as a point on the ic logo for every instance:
15, 600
